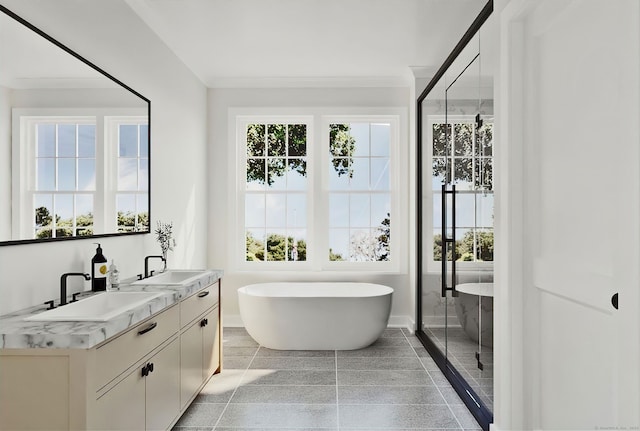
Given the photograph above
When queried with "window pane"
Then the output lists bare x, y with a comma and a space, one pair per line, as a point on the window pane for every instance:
276, 214
254, 210
84, 210
360, 131
144, 140
485, 140
484, 210
43, 204
86, 140
440, 169
66, 140
64, 215
362, 245
441, 139
143, 178
463, 173
126, 212
255, 140
276, 169
339, 173
297, 140
297, 245
86, 174
380, 208
127, 174
128, 140
256, 174
66, 174
338, 210
465, 210
380, 174
338, 244
46, 140
276, 135
484, 173
380, 139
296, 210
463, 139
45, 175
297, 174
142, 202
360, 180
255, 244
484, 245
84, 215
360, 210
276, 245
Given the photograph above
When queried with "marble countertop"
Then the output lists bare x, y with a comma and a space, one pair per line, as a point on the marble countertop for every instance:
16, 333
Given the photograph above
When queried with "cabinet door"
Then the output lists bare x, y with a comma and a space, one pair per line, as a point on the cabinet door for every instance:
190, 362
211, 344
123, 407
163, 387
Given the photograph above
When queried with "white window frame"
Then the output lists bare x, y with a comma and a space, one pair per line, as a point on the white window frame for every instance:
23, 153
318, 120
433, 265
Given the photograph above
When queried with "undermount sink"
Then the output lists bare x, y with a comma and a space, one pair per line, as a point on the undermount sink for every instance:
172, 277
100, 307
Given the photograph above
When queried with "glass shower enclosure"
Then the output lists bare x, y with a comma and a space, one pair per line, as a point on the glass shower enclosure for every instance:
455, 217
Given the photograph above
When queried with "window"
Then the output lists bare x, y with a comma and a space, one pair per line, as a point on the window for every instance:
132, 176
65, 178
462, 154
276, 192
317, 192
80, 174
359, 192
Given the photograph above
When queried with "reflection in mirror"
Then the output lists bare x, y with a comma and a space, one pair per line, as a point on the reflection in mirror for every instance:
74, 154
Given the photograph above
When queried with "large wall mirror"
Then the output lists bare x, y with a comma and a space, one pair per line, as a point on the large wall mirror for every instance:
74, 143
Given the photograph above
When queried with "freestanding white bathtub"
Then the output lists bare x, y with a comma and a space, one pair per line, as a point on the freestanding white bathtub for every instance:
315, 316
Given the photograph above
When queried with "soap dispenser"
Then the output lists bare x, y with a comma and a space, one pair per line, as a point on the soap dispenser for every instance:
98, 271
114, 276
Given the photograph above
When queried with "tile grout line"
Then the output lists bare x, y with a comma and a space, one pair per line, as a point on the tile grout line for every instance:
236, 388
434, 382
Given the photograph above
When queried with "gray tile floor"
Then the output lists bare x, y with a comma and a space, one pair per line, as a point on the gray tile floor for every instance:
390, 385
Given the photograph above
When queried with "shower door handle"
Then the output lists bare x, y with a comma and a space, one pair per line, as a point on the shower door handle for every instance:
446, 240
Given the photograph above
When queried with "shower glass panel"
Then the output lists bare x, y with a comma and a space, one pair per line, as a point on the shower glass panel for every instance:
455, 218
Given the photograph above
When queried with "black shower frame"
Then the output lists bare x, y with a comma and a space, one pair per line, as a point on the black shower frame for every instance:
483, 415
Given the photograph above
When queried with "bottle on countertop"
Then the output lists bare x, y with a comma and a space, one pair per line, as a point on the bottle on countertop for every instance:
98, 271
114, 276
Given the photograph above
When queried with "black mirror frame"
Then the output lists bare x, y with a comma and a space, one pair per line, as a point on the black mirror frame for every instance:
121, 84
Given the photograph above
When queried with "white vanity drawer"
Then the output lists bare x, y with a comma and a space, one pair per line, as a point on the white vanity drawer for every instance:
198, 303
119, 354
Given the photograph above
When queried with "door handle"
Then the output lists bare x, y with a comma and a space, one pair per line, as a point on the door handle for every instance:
614, 301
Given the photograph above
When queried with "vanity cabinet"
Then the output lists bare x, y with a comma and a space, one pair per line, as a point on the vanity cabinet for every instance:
142, 379
148, 390
199, 342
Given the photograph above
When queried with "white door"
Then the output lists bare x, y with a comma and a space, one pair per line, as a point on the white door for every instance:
578, 108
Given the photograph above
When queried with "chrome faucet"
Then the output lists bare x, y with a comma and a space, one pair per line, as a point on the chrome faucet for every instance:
63, 285
146, 264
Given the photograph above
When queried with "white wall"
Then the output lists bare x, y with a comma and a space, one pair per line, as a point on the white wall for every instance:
220, 101
111, 36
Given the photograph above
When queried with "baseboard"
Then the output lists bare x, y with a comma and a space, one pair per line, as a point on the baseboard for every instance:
232, 321
235, 321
